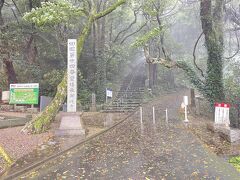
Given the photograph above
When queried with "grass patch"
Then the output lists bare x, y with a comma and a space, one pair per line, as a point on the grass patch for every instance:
235, 161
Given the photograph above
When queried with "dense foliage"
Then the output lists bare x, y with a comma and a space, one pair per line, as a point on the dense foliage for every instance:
195, 37
235, 161
53, 13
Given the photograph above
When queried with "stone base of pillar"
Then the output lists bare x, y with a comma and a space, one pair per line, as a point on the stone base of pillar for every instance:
71, 125
93, 109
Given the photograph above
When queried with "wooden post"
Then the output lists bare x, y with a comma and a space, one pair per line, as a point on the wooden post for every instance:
154, 119
192, 95
106, 96
166, 115
93, 107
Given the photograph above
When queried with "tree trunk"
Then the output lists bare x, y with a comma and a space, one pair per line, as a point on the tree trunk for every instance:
212, 25
42, 121
31, 50
95, 40
192, 95
9, 70
101, 60
1, 18
150, 77
154, 74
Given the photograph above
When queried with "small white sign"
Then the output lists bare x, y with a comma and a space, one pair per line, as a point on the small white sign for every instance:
28, 85
72, 76
185, 100
217, 113
109, 93
222, 114
183, 105
5, 96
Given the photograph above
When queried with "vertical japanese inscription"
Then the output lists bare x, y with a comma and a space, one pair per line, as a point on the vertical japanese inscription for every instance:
72, 76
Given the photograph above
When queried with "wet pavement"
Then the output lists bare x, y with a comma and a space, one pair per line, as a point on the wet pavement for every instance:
95, 122
135, 150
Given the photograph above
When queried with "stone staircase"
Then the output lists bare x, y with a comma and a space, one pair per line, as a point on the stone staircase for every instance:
131, 92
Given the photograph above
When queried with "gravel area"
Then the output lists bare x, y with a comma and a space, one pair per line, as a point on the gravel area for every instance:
2, 164
18, 144
94, 122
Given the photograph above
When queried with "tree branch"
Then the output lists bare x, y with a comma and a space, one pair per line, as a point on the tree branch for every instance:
17, 7
133, 33
151, 60
1, 18
194, 55
233, 15
109, 10
238, 47
193, 77
124, 30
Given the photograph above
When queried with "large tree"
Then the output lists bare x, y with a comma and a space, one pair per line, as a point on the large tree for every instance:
42, 121
211, 13
210, 83
6, 48
17, 39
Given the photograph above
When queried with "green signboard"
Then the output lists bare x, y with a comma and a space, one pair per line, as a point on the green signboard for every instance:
24, 93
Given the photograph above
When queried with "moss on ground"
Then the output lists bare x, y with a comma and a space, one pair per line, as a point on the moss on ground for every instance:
235, 161
6, 157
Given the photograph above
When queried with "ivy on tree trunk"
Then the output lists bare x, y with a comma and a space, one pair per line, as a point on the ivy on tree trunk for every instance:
212, 25
211, 13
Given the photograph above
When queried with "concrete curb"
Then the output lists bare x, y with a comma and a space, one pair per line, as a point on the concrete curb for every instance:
13, 122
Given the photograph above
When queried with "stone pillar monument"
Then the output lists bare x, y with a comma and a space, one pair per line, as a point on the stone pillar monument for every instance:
93, 107
71, 123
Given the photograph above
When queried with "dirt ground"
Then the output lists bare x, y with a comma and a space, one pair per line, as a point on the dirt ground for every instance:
26, 149
198, 126
17, 144
220, 146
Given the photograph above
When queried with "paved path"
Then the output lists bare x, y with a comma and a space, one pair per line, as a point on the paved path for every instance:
142, 151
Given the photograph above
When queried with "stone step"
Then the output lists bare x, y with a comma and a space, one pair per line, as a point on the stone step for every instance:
126, 102
129, 97
120, 107
119, 99
123, 106
133, 89
119, 110
126, 92
129, 94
